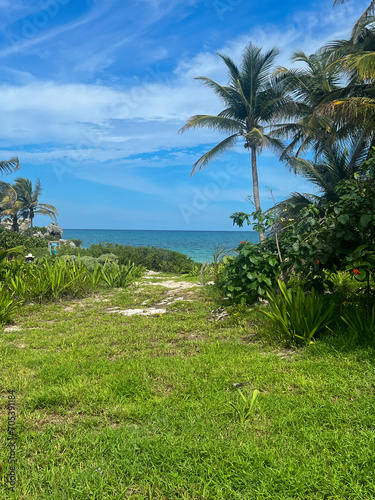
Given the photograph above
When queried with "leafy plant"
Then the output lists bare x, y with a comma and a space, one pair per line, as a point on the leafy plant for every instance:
341, 281
95, 276
128, 273
298, 315
76, 241
250, 274
243, 409
156, 259
361, 325
8, 306
194, 271
19, 286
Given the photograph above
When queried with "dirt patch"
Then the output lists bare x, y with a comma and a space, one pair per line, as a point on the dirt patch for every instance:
149, 311
12, 328
176, 291
286, 353
52, 419
173, 285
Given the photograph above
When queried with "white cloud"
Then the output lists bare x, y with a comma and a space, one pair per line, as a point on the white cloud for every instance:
102, 123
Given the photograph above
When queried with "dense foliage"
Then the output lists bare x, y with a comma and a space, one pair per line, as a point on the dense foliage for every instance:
249, 275
10, 239
156, 259
327, 258
53, 278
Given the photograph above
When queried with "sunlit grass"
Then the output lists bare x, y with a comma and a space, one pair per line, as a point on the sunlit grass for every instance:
111, 406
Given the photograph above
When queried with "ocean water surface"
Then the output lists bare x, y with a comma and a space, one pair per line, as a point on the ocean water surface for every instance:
199, 245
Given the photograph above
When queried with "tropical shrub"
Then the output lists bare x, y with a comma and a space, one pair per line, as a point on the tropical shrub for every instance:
8, 305
341, 281
36, 229
121, 276
89, 262
108, 258
155, 259
76, 241
9, 239
53, 278
297, 315
360, 324
250, 274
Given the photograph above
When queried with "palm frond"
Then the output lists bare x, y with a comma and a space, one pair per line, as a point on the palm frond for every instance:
223, 92
45, 209
233, 70
212, 122
10, 165
292, 206
216, 151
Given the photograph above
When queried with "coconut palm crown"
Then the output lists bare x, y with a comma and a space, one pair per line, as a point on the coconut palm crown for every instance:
335, 164
253, 101
9, 204
28, 199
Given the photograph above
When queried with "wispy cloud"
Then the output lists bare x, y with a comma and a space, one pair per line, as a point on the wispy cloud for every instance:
99, 94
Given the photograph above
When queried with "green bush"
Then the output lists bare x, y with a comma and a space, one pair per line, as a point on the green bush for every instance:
58, 277
299, 316
360, 324
155, 259
37, 246
250, 274
89, 262
36, 229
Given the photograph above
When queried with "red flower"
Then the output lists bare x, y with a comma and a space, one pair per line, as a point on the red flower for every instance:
318, 261
355, 271
242, 242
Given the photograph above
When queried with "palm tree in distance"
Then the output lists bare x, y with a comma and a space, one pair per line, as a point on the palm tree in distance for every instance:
253, 100
9, 205
28, 199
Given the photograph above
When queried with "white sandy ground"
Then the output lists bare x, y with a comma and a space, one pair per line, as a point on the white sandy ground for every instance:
176, 291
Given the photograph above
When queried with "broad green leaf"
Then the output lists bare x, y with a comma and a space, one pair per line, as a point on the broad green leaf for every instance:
364, 220
344, 219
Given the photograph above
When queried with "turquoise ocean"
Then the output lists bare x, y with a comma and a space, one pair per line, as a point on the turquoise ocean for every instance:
199, 245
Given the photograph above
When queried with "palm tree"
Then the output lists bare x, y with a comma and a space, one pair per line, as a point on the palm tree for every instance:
9, 204
352, 107
334, 165
28, 196
370, 10
310, 86
253, 100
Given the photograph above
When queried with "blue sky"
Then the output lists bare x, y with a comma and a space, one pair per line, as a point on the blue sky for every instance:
93, 94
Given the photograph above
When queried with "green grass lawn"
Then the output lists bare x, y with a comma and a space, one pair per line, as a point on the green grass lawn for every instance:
110, 406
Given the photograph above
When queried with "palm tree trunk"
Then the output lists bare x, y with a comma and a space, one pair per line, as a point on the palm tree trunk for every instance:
15, 226
31, 224
254, 170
